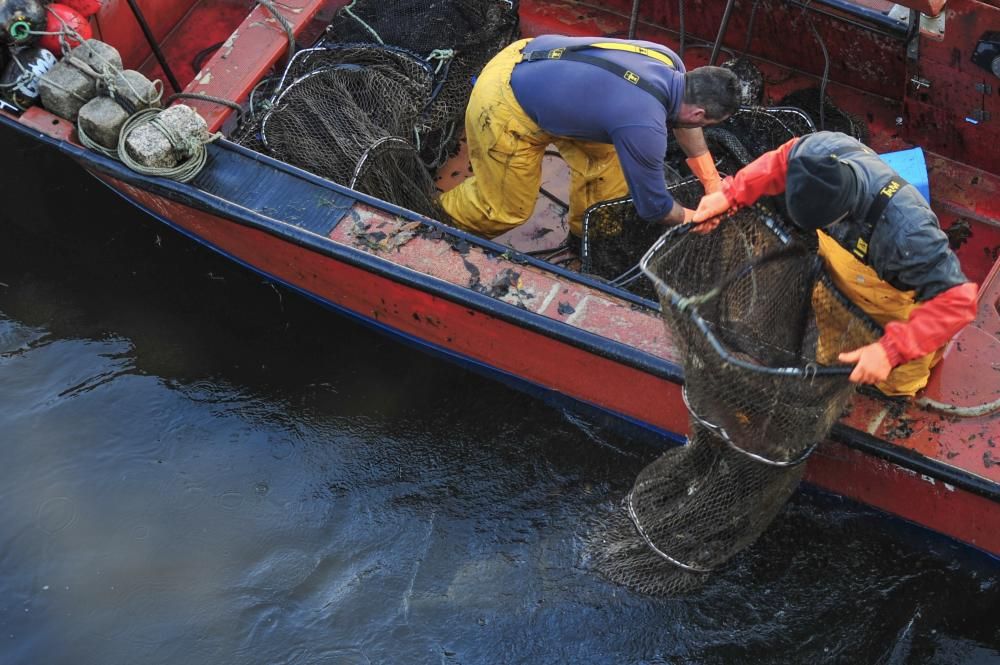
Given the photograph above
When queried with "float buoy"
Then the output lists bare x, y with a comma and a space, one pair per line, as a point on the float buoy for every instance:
86, 7
20, 78
60, 17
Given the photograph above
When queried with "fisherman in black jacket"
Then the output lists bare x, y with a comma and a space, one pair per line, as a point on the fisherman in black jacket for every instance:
880, 242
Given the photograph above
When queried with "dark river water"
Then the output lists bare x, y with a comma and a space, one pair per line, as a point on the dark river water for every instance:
198, 467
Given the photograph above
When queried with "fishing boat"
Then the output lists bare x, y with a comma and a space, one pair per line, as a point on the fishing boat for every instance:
924, 75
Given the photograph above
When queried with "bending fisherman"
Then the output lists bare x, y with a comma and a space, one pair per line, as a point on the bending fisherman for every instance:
606, 105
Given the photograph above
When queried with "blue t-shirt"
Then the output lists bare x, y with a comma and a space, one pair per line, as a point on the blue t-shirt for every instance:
582, 101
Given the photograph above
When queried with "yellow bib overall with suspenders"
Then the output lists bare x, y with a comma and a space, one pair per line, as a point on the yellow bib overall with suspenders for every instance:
876, 297
506, 147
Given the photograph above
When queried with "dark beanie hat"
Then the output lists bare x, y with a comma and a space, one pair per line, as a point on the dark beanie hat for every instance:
819, 190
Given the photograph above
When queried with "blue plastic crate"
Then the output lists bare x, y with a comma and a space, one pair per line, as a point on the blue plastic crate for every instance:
911, 165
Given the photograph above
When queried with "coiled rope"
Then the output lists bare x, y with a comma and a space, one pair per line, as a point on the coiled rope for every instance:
196, 155
146, 112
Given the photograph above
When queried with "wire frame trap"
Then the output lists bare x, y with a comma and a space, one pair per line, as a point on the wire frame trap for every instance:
350, 113
455, 37
826, 115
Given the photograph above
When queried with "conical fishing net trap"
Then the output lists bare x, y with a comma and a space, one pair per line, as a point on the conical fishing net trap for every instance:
758, 325
377, 104
455, 37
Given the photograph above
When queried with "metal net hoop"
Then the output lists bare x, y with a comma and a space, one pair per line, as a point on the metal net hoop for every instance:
351, 113
759, 327
615, 237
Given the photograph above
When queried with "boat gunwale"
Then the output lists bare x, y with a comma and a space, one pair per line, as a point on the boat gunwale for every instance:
187, 194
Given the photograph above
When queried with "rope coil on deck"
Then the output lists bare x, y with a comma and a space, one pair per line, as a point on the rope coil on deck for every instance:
109, 80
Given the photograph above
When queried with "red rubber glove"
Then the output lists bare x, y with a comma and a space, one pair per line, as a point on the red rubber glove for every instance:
703, 166
872, 364
931, 325
764, 176
712, 205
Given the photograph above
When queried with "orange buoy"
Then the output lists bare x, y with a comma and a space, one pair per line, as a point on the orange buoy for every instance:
86, 7
62, 18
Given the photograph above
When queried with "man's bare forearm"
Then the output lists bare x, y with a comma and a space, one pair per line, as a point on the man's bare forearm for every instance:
691, 141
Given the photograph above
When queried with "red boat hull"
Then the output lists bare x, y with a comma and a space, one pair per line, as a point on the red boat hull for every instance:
481, 339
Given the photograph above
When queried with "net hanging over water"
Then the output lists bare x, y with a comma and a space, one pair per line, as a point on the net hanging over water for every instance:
758, 325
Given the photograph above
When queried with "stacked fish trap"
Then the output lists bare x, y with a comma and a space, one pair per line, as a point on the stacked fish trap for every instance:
377, 104
759, 325
826, 115
347, 112
455, 37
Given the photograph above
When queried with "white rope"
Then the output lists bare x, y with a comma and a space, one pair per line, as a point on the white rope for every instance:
442, 55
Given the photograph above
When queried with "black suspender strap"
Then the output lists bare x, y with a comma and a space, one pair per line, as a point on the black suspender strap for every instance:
857, 241
571, 53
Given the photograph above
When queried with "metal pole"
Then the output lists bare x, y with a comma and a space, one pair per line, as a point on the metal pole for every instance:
157, 53
722, 31
634, 19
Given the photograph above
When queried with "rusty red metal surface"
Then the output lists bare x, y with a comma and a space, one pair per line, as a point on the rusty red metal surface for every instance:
871, 61
929, 7
906, 494
206, 26
952, 106
254, 47
117, 25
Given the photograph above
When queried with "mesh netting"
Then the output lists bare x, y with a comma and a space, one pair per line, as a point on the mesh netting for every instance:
458, 37
380, 101
762, 129
615, 237
697, 505
339, 110
832, 118
745, 136
757, 323
751, 80
765, 317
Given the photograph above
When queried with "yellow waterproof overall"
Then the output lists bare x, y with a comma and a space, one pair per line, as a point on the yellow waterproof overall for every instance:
506, 148
882, 302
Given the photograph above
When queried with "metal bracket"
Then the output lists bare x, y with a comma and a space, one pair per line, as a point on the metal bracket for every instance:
984, 88
933, 27
919, 82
